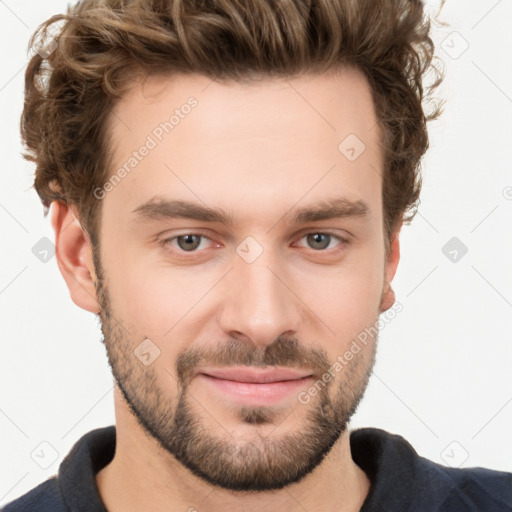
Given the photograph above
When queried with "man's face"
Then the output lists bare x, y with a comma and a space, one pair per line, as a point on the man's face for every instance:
183, 297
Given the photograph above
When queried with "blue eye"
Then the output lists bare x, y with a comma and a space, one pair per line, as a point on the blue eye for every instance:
318, 241
188, 242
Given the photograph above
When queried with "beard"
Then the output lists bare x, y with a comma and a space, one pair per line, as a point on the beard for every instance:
263, 462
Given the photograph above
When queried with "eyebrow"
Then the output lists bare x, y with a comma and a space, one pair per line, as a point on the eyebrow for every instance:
162, 209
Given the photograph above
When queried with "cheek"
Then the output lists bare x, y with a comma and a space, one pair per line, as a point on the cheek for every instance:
151, 306
154, 300
347, 298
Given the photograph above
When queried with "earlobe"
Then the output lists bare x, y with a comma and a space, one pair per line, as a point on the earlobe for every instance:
388, 295
388, 298
74, 256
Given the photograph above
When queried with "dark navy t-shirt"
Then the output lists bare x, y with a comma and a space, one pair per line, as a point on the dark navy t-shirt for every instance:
401, 480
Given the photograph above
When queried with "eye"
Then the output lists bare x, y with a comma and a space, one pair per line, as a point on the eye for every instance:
191, 242
188, 242
321, 241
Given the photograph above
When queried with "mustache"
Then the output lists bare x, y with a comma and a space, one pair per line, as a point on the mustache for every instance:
284, 351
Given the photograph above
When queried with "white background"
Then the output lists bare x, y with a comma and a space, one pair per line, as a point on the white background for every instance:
442, 379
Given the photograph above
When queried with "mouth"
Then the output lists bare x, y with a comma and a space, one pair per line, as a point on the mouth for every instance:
255, 386
256, 375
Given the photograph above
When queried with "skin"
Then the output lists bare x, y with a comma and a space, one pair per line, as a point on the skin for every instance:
259, 152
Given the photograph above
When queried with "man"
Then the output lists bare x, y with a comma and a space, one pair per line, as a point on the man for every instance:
228, 182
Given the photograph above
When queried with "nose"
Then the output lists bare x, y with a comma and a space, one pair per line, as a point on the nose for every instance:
259, 302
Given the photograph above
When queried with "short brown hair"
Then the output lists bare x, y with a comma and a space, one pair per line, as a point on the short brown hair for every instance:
103, 45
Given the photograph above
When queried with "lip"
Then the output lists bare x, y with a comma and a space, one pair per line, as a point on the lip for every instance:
255, 387
256, 375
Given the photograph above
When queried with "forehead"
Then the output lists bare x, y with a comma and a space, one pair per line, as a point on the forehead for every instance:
270, 141
251, 108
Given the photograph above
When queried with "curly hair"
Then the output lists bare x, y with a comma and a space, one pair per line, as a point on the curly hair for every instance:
100, 47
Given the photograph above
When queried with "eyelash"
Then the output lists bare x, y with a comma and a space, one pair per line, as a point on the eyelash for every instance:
343, 241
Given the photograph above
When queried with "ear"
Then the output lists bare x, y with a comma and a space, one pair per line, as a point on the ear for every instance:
74, 256
388, 295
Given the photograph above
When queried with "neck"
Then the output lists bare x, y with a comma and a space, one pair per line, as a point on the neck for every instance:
140, 463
